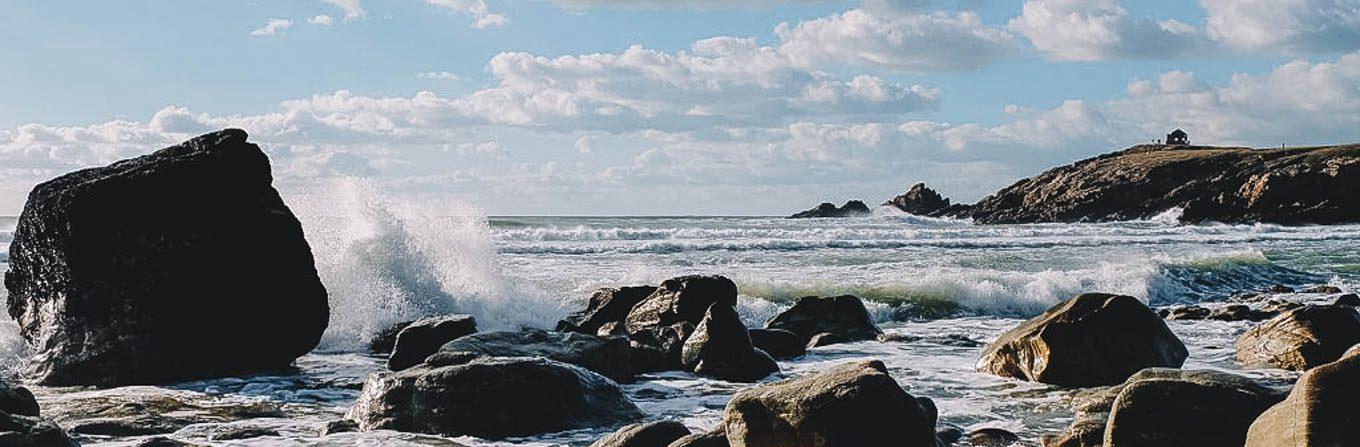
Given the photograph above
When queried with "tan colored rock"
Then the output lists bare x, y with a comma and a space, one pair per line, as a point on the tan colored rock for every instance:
1300, 339
1322, 410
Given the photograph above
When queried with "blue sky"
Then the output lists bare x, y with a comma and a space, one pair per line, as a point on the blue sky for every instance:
667, 106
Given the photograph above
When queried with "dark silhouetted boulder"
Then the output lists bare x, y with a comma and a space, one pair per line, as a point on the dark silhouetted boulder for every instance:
850, 405
1322, 410
423, 337
721, 348
1301, 338
843, 317
177, 265
608, 356
1349, 299
20, 423
779, 343
1325, 288
1092, 339
491, 397
607, 306
385, 340
853, 208
992, 437
651, 434
920, 200
668, 316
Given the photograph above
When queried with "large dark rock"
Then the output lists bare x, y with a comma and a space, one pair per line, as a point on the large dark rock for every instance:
424, 337
715, 438
669, 315
385, 340
608, 305
1301, 338
651, 434
608, 356
1288, 186
843, 317
850, 405
491, 397
22, 426
145, 410
721, 348
779, 343
1322, 410
16, 399
1092, 339
177, 265
920, 200
853, 208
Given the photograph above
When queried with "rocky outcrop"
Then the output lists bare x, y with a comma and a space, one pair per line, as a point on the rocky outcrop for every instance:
1301, 338
651, 434
385, 340
21, 425
423, 337
181, 264
850, 405
669, 315
1167, 407
491, 397
1223, 184
921, 201
716, 438
720, 347
1322, 410
607, 306
853, 208
827, 320
1092, 339
607, 356
147, 410
778, 343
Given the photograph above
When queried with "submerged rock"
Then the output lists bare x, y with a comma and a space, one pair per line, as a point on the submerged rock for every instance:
1322, 410
720, 347
608, 356
145, 410
853, 208
1092, 339
608, 306
1301, 338
778, 343
651, 434
843, 318
491, 397
920, 200
177, 265
1325, 288
668, 316
850, 405
424, 336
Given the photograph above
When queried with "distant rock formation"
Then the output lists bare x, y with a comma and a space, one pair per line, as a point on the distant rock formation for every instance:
919, 200
853, 208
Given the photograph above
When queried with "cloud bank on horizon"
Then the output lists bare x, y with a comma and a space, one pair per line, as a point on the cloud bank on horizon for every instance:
783, 103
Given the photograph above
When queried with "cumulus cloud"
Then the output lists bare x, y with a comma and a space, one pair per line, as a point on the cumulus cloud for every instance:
1291, 26
483, 18
351, 8
1088, 30
273, 27
893, 40
323, 20
441, 75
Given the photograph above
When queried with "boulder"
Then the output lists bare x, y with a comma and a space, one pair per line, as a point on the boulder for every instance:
424, 336
162, 441
147, 410
669, 315
491, 397
1322, 410
779, 343
1325, 288
715, 438
1349, 299
338, 426
22, 426
850, 405
651, 434
844, 317
853, 208
608, 306
920, 200
178, 265
607, 356
720, 347
992, 437
385, 340
1091, 339
1301, 338
16, 399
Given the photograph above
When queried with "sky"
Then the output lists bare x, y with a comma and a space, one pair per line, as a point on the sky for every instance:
666, 107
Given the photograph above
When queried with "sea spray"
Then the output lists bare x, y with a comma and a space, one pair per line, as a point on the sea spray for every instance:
386, 260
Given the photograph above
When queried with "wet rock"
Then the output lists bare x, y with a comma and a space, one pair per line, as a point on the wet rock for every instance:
843, 317
947, 436
853, 208
715, 438
17, 430
1320, 411
779, 343
16, 399
1349, 299
992, 437
1168, 408
1092, 339
338, 426
384, 341
919, 200
1187, 313
608, 356
1279, 288
1301, 339
720, 347
648, 359
242, 432
668, 316
609, 306
651, 434
491, 397
144, 410
853, 404
177, 265
1327, 289
418, 340
161, 441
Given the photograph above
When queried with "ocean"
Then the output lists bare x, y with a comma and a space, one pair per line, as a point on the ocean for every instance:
386, 261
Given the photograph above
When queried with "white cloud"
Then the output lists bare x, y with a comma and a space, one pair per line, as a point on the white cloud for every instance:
886, 38
585, 145
1290, 26
351, 8
486, 148
323, 20
483, 18
1089, 30
273, 27
441, 75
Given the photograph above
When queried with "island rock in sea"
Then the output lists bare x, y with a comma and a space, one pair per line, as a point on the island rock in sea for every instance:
853, 208
177, 265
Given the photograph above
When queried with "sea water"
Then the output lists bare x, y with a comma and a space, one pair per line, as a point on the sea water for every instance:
385, 261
